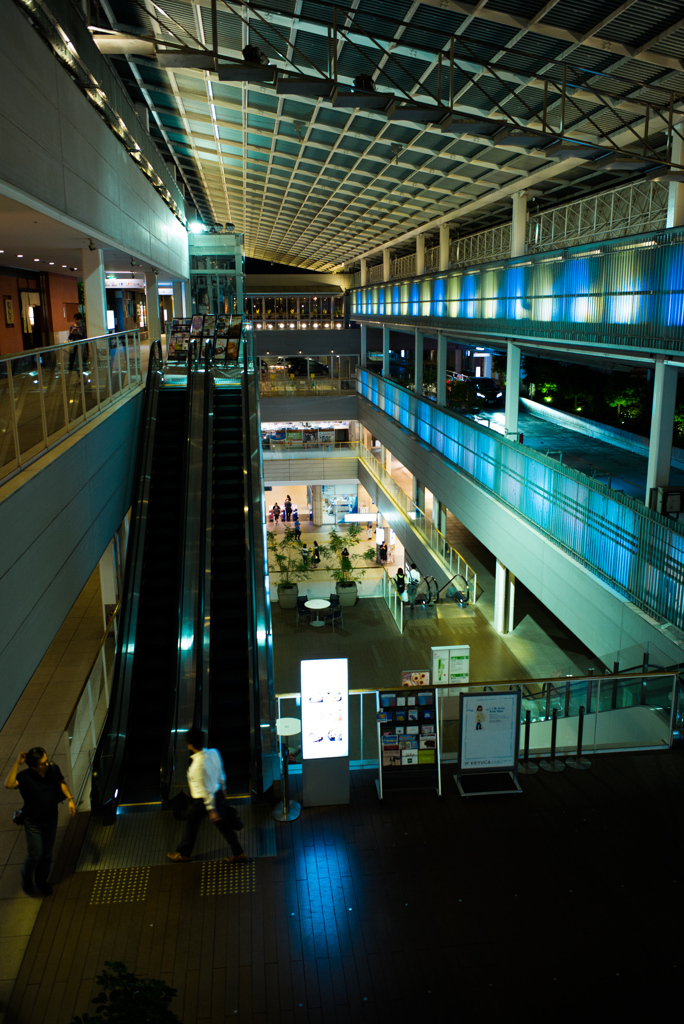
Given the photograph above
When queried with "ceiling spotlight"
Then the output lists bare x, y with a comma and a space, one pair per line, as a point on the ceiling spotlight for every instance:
229, 226
36, 260
2, 250
64, 266
20, 255
51, 264
73, 268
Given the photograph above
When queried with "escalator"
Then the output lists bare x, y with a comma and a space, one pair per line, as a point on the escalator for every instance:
229, 700
156, 641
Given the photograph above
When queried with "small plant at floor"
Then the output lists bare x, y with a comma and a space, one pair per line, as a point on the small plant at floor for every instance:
126, 998
345, 569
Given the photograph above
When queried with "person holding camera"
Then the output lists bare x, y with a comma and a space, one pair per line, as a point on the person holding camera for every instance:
43, 788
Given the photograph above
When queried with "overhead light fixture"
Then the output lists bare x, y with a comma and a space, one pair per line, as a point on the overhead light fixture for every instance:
253, 55
51, 264
666, 174
513, 136
36, 260
572, 149
458, 125
64, 266
623, 162
425, 113
20, 255
303, 85
197, 227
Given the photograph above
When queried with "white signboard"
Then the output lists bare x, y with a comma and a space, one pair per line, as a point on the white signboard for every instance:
325, 708
361, 517
490, 730
451, 665
134, 283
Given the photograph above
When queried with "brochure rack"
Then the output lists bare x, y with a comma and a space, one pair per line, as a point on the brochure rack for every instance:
409, 738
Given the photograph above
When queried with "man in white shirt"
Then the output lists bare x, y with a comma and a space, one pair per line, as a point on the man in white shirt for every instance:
412, 582
207, 784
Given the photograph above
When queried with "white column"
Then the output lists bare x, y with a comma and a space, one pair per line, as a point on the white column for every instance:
418, 361
441, 368
500, 581
364, 344
385, 264
179, 298
510, 602
439, 517
512, 391
519, 225
152, 299
444, 247
420, 254
675, 198
364, 272
108, 582
92, 265
385, 351
662, 424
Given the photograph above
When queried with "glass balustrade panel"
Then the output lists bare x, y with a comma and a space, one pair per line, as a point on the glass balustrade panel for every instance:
8, 454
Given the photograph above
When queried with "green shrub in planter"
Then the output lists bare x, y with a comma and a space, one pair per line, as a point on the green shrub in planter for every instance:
125, 999
345, 569
285, 557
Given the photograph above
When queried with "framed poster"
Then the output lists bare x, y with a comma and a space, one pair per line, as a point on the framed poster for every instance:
415, 677
490, 732
451, 665
9, 310
325, 708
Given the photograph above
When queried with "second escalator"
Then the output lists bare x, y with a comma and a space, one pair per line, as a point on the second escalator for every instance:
229, 708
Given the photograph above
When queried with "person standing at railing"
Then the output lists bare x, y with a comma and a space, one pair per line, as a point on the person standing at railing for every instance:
77, 332
43, 788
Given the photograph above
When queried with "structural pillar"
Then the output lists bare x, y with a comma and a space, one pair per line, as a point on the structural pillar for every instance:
179, 298
364, 272
385, 264
152, 299
519, 225
512, 391
418, 362
92, 265
385, 351
675, 198
364, 344
439, 516
444, 247
504, 599
662, 425
420, 254
441, 369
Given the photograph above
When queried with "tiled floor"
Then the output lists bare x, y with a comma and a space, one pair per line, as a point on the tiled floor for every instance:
38, 720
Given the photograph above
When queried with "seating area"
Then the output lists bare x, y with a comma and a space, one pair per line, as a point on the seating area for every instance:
313, 616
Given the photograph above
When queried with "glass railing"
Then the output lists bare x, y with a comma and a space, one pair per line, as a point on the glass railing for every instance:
89, 713
636, 551
274, 385
48, 393
620, 714
392, 599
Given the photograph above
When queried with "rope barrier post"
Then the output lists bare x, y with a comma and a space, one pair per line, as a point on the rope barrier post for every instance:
526, 767
579, 762
567, 698
552, 764
613, 693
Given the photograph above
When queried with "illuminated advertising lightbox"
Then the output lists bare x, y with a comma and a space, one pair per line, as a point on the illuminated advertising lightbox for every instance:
325, 708
489, 731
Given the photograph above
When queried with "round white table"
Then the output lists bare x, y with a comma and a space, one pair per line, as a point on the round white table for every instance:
317, 605
287, 810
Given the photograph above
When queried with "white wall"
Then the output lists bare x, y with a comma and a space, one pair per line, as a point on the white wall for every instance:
59, 156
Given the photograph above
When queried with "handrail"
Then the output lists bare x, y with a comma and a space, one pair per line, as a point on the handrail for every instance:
62, 345
108, 761
93, 663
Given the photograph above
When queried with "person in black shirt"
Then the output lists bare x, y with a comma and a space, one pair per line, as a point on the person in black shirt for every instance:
43, 788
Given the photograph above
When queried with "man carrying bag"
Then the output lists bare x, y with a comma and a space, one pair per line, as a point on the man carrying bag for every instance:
207, 783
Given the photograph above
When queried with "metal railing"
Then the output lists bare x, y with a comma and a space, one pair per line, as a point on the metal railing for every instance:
274, 385
627, 292
88, 716
636, 551
392, 599
48, 393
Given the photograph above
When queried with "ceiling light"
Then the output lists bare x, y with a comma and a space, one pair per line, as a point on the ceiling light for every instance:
51, 264
20, 255
64, 266
197, 227
2, 250
36, 260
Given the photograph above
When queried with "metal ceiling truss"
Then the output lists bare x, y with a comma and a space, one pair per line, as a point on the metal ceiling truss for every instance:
315, 177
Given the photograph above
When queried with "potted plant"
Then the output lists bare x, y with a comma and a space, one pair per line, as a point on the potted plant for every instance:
285, 557
345, 569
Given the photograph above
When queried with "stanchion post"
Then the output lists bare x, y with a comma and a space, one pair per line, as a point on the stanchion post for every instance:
552, 764
579, 762
567, 698
526, 767
589, 690
613, 694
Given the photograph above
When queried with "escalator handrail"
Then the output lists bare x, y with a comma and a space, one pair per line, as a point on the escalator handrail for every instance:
203, 624
109, 755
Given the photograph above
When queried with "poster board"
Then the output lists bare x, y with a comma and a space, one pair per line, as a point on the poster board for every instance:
407, 727
451, 666
489, 732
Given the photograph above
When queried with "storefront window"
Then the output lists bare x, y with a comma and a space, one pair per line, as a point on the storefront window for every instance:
269, 307
257, 306
281, 307
339, 306
248, 309
326, 307
315, 308
292, 308
304, 309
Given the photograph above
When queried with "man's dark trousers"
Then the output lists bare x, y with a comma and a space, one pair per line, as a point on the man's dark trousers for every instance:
40, 840
193, 819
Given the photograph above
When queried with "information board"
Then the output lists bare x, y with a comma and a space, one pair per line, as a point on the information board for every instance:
451, 665
490, 732
325, 708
